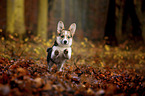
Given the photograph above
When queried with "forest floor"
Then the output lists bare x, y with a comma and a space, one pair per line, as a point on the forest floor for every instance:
93, 69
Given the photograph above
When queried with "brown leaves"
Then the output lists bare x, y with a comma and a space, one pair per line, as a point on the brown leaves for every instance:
48, 85
26, 77
101, 70
38, 82
4, 90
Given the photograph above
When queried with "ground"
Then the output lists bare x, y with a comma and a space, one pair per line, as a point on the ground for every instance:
94, 69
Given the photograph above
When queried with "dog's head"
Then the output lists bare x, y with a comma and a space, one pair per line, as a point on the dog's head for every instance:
64, 37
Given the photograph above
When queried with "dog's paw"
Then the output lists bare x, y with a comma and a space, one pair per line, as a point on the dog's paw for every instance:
56, 52
66, 55
65, 51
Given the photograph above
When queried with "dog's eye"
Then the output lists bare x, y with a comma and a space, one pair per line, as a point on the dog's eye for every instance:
68, 37
62, 36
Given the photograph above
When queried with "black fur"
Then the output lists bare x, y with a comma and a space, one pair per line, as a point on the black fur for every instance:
49, 50
55, 44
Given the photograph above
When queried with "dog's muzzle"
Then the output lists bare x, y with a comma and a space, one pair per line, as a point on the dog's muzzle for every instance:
65, 42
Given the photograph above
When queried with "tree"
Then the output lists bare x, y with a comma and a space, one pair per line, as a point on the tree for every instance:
10, 16
42, 19
19, 15
130, 14
63, 10
110, 24
95, 18
15, 17
119, 17
140, 10
123, 21
79, 16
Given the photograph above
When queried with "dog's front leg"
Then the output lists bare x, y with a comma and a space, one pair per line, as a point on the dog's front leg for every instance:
52, 59
60, 66
67, 54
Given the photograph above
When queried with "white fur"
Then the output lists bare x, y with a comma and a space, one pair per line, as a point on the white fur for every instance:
58, 38
61, 50
60, 58
65, 38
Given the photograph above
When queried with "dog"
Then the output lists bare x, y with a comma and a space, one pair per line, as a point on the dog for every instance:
61, 50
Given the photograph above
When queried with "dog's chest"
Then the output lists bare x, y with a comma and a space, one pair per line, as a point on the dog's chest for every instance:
60, 56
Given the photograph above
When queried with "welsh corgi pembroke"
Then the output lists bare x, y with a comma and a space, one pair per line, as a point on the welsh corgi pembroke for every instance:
61, 50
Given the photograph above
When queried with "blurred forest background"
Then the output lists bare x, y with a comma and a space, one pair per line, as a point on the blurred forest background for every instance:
108, 51
113, 20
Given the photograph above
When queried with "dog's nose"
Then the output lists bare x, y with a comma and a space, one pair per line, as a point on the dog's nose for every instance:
65, 41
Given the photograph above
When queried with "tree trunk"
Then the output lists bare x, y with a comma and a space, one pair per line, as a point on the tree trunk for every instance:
129, 11
42, 19
119, 18
71, 6
10, 16
79, 33
19, 15
140, 10
15, 17
110, 24
62, 10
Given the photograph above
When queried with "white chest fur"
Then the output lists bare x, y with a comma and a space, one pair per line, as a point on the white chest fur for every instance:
60, 57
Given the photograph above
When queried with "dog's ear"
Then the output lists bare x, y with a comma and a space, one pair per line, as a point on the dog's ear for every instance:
60, 26
72, 28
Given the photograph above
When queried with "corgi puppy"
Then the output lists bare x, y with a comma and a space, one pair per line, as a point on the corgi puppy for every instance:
61, 50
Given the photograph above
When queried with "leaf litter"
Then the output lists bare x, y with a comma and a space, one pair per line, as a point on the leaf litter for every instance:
102, 71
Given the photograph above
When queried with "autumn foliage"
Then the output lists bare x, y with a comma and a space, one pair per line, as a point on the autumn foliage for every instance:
93, 69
